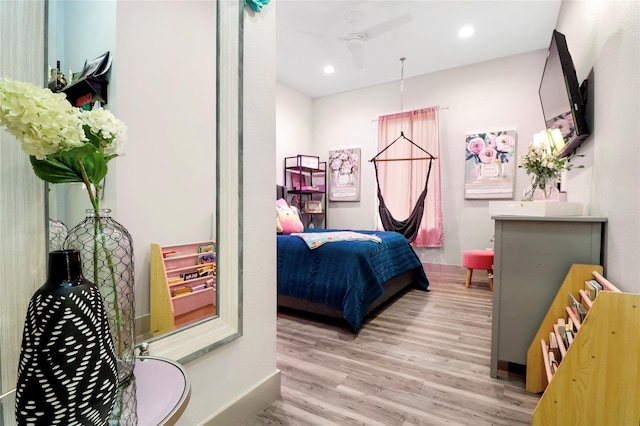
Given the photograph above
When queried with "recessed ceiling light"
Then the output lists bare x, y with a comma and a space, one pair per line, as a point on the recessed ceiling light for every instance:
465, 32
329, 69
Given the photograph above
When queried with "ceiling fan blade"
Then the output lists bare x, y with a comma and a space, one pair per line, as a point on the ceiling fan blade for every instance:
356, 47
383, 27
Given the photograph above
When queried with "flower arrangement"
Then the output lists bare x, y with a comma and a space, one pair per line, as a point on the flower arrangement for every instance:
485, 148
64, 143
343, 162
544, 165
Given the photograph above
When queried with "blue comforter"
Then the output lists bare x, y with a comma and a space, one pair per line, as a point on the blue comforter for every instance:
346, 275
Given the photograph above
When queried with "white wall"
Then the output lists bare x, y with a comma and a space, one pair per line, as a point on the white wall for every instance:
495, 95
230, 371
603, 37
293, 127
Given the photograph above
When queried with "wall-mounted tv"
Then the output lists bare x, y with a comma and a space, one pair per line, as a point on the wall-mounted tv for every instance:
562, 97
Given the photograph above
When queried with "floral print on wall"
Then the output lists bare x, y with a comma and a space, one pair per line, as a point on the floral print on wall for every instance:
489, 164
344, 174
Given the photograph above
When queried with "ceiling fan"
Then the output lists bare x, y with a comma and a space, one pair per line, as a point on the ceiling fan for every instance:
355, 41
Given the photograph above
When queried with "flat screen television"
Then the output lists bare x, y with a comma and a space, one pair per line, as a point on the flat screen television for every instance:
562, 97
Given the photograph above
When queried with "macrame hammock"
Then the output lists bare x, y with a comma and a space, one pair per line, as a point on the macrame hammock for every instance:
410, 226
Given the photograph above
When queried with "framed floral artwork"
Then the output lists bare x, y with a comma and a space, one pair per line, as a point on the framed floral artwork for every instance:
344, 174
490, 165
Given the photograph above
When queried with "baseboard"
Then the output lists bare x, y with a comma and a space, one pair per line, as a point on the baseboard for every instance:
447, 269
250, 404
143, 328
450, 269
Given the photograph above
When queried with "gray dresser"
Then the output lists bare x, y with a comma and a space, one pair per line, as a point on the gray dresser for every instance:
532, 257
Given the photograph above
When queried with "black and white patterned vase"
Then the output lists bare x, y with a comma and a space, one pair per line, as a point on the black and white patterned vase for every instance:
67, 373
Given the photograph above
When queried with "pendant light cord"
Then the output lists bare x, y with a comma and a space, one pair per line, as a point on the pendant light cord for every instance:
402, 85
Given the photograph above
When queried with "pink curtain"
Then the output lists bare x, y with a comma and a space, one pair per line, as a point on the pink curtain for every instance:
401, 182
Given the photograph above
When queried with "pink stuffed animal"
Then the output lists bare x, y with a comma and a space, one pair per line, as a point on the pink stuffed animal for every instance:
288, 220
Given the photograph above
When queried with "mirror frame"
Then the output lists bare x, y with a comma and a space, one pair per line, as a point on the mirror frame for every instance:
185, 344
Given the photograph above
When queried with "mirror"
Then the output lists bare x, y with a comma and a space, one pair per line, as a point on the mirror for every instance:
174, 184
23, 223
24, 21
189, 343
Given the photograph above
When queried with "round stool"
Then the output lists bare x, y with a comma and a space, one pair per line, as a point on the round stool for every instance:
478, 259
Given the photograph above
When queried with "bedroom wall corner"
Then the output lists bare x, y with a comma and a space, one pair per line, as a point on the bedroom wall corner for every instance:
294, 123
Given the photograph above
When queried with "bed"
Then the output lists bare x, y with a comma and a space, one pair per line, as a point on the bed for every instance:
346, 279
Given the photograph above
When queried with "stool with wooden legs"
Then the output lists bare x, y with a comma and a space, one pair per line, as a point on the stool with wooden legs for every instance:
478, 259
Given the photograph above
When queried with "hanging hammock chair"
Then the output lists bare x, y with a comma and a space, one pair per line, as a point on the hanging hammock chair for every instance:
410, 226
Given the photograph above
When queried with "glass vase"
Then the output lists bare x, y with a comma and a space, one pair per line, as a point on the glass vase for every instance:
125, 409
544, 189
540, 188
527, 194
57, 234
107, 260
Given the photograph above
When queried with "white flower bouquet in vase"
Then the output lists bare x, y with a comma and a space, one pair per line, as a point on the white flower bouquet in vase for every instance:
67, 145
544, 167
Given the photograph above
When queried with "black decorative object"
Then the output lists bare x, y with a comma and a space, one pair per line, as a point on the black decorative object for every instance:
90, 85
106, 248
86, 90
67, 372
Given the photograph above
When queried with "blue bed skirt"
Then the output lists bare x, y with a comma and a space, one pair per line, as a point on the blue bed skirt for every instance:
346, 275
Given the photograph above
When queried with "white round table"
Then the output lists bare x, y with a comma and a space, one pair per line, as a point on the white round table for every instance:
163, 390
157, 394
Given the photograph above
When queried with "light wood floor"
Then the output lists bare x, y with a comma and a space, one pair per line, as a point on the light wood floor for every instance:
422, 360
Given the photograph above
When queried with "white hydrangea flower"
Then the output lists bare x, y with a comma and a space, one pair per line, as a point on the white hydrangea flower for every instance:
43, 122
104, 125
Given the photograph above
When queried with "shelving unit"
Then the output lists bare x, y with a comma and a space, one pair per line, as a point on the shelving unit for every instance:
177, 303
88, 89
305, 178
597, 379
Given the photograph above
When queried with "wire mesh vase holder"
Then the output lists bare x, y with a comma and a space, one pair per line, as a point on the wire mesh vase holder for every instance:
58, 232
106, 248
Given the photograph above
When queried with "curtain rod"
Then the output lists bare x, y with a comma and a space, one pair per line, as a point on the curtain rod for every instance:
439, 108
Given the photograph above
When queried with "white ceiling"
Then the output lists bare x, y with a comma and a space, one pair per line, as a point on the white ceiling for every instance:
429, 42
